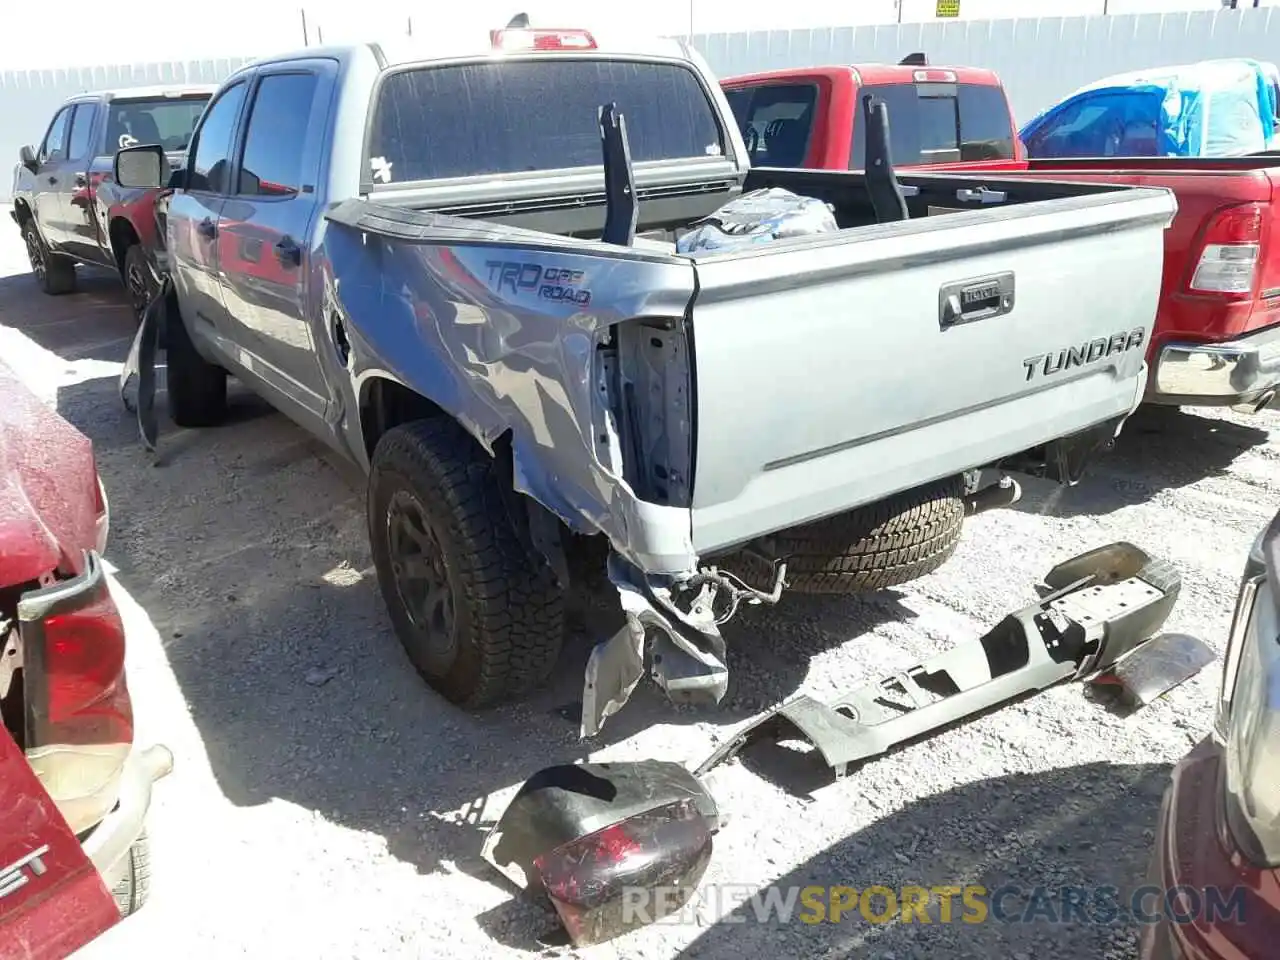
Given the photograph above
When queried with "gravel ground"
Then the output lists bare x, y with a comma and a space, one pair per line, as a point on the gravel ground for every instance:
326, 804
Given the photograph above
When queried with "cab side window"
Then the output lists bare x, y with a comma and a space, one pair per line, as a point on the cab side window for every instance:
55, 141
81, 127
276, 136
210, 166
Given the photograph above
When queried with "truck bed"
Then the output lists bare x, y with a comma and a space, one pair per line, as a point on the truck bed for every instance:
752, 391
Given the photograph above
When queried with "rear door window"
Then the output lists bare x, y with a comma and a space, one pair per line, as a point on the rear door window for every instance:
276, 138
776, 121
81, 127
939, 123
514, 116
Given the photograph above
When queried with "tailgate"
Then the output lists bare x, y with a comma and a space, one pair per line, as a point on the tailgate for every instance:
833, 371
52, 900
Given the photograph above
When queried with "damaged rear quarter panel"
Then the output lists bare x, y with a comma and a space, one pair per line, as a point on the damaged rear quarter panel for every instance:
500, 328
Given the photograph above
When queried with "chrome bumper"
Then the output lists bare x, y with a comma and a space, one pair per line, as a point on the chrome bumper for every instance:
109, 842
1243, 373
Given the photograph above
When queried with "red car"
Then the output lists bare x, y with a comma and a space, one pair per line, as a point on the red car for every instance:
1217, 851
74, 792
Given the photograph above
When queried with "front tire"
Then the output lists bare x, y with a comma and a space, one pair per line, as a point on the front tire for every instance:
481, 620
197, 388
55, 273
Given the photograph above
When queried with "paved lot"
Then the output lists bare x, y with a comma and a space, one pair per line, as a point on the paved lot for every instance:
325, 803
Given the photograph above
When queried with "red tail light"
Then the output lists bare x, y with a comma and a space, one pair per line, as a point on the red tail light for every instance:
528, 39
628, 874
1229, 252
79, 723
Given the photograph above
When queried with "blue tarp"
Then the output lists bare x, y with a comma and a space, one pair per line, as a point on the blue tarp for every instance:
1214, 108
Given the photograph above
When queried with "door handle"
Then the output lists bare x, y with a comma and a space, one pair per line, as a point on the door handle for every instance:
207, 228
53, 181
288, 251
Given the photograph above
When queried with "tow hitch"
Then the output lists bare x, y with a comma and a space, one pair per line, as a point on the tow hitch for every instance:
1095, 620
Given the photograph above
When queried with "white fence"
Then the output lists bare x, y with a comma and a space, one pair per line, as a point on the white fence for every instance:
1040, 59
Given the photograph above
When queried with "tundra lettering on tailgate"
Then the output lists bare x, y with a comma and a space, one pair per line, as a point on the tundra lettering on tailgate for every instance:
1079, 355
549, 283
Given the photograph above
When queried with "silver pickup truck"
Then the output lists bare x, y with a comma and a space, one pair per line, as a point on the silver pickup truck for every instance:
406, 251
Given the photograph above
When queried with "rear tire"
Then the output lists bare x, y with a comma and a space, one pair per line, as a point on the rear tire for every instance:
197, 388
871, 548
132, 890
55, 273
481, 620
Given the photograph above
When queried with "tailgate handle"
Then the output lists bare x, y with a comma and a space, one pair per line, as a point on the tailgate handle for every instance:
967, 301
981, 195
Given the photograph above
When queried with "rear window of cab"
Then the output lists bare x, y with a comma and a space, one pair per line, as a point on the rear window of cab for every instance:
516, 116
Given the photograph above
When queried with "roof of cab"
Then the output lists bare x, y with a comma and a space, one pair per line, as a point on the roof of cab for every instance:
867, 73
458, 44
152, 92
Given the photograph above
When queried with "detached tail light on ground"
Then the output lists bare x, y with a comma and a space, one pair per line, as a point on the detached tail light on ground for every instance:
1249, 717
629, 874
1230, 251
614, 846
79, 720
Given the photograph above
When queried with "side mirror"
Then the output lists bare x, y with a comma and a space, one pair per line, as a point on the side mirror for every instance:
28, 158
143, 168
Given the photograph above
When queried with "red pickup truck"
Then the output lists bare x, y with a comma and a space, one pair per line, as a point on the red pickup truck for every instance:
1217, 333
74, 791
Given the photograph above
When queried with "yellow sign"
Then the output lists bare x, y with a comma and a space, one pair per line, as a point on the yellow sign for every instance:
948, 8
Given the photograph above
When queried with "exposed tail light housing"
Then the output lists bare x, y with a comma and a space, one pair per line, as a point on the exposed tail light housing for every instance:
79, 719
540, 39
1229, 253
614, 846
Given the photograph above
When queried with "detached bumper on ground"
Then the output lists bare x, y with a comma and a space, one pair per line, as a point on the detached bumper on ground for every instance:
1096, 611
107, 846
1241, 373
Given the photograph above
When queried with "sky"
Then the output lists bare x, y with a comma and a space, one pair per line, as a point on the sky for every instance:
134, 31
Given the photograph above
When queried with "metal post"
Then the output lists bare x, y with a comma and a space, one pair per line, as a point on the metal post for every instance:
411, 26
900, 3
306, 40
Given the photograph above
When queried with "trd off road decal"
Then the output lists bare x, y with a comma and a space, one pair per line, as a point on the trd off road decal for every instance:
547, 283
